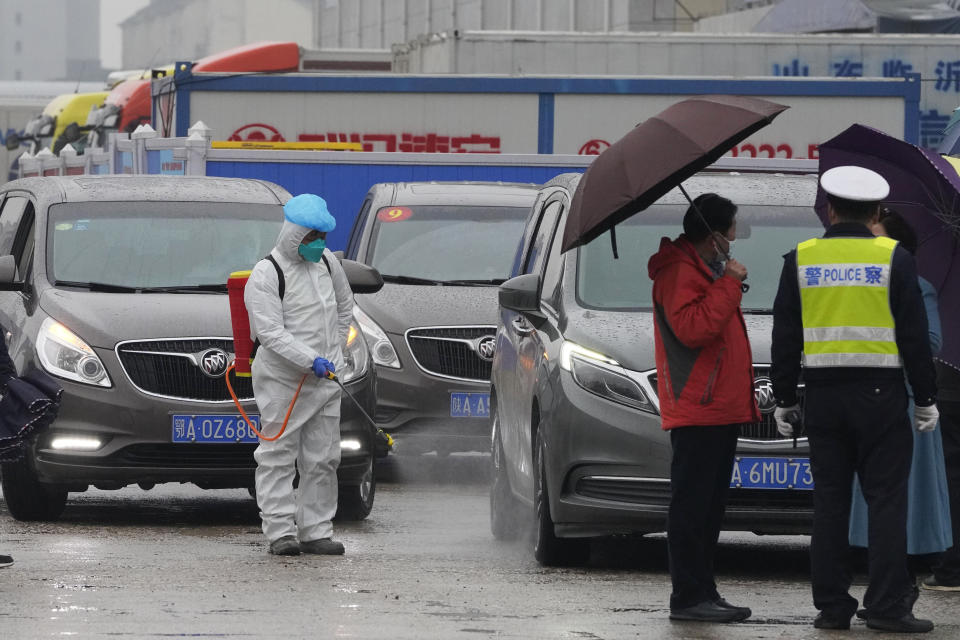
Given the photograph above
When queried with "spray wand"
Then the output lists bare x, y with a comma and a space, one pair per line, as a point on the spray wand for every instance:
385, 441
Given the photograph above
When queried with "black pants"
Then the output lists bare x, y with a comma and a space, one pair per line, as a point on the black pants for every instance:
699, 483
862, 427
947, 571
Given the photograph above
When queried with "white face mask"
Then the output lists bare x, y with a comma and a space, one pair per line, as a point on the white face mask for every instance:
719, 246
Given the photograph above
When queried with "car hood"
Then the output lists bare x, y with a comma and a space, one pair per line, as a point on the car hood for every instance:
104, 319
627, 336
398, 307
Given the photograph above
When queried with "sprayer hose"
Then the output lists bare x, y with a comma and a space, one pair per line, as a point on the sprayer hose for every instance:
244, 413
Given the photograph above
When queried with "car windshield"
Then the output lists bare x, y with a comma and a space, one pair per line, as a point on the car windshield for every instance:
157, 244
764, 234
444, 243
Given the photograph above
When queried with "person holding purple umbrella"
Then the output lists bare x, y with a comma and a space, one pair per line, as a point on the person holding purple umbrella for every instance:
928, 505
848, 313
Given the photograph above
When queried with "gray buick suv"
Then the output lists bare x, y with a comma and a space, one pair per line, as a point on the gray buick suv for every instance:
118, 289
442, 249
577, 447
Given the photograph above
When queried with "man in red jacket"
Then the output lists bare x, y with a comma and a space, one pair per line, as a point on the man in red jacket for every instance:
705, 385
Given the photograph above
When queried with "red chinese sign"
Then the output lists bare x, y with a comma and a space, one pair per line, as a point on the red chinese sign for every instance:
377, 141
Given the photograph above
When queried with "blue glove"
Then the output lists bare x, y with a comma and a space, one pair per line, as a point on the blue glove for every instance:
321, 366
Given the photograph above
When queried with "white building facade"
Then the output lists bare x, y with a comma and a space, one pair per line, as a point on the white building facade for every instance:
50, 40
378, 24
170, 30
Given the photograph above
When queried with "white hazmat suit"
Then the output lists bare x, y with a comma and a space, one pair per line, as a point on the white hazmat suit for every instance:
311, 321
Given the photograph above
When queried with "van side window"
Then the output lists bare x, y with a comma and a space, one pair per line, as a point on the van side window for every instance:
550, 288
541, 240
23, 242
359, 225
10, 217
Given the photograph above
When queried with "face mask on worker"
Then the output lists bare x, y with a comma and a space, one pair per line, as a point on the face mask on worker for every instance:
313, 251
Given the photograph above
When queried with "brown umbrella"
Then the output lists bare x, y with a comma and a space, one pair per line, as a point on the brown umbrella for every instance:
656, 156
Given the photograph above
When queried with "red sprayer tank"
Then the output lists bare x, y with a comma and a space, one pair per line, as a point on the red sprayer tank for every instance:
242, 344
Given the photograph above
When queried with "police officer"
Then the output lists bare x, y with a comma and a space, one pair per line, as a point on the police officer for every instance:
849, 311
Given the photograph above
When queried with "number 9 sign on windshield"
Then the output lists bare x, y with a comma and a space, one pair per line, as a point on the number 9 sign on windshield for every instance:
394, 214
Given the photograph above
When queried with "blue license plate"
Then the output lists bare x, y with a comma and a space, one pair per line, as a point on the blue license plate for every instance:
469, 405
214, 428
771, 473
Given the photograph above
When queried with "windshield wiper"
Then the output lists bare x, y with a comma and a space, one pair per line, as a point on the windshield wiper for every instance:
411, 280
488, 282
187, 288
96, 286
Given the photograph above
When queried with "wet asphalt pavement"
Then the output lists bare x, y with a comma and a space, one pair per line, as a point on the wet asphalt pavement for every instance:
181, 562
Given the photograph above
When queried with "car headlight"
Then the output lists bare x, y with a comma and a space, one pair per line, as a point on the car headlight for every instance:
603, 376
383, 352
64, 354
356, 357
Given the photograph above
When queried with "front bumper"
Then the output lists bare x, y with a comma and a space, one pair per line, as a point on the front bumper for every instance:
609, 473
414, 407
138, 448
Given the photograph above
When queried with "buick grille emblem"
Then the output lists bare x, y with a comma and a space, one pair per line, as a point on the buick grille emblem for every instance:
763, 392
213, 363
486, 347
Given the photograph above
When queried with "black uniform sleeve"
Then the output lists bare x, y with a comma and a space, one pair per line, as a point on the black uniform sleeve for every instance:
7, 368
787, 335
910, 316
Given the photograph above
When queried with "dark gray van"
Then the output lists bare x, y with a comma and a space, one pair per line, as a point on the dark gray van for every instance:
115, 285
442, 249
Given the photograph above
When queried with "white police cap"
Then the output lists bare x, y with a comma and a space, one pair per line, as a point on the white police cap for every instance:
855, 183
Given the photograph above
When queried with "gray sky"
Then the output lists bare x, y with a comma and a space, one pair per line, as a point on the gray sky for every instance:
112, 12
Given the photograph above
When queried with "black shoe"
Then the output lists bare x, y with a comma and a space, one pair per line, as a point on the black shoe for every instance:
5, 561
827, 621
906, 624
285, 546
708, 612
720, 602
323, 547
861, 614
931, 583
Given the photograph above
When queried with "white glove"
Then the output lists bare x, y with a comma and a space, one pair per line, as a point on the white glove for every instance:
788, 419
925, 418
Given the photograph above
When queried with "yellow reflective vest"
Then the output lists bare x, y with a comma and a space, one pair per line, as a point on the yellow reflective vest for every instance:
845, 302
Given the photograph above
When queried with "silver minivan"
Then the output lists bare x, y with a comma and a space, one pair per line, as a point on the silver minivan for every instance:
578, 450
116, 285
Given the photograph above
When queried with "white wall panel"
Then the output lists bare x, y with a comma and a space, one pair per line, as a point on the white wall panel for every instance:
604, 119
376, 118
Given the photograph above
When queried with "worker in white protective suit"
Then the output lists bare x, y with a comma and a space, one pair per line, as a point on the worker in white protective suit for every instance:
301, 321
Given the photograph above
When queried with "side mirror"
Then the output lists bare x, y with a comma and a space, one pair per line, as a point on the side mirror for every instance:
72, 132
522, 294
8, 273
362, 278
13, 141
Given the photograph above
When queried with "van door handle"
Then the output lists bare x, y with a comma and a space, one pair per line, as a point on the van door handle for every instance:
521, 326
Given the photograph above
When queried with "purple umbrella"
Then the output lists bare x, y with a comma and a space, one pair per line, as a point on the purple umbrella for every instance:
925, 188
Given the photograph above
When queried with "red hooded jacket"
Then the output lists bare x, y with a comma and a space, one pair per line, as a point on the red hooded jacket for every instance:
704, 363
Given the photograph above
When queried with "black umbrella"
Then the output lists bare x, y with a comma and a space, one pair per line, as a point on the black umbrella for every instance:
29, 405
656, 156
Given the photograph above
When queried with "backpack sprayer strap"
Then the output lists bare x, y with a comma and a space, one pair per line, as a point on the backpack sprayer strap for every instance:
281, 289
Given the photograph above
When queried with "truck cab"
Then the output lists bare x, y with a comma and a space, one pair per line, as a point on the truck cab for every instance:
52, 128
